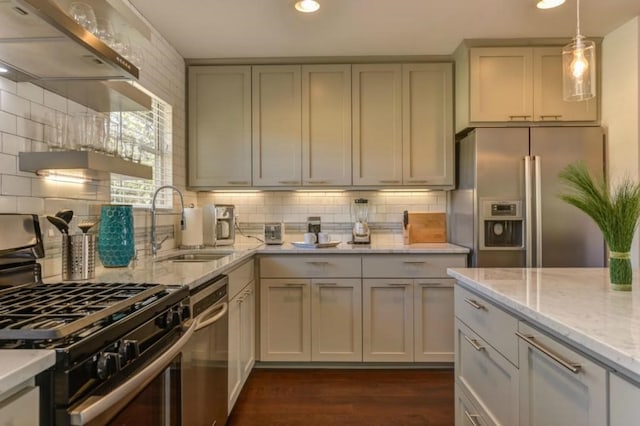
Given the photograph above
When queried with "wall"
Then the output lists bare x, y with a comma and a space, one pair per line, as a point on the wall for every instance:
621, 105
334, 208
24, 110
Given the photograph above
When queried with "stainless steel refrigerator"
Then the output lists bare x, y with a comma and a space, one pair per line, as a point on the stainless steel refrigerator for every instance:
506, 206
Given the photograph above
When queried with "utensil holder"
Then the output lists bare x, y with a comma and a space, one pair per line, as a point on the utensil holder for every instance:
78, 257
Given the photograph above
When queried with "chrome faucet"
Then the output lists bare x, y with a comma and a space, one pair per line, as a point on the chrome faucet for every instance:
155, 245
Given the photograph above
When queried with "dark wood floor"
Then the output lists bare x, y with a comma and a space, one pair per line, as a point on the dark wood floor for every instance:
345, 397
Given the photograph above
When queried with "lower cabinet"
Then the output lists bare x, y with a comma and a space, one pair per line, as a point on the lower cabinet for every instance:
336, 320
433, 320
241, 341
388, 320
522, 376
558, 386
285, 320
624, 401
487, 376
21, 408
310, 319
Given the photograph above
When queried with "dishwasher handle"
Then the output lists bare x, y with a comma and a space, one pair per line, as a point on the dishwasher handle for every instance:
211, 315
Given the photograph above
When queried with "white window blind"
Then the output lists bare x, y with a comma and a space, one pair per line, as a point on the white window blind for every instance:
145, 136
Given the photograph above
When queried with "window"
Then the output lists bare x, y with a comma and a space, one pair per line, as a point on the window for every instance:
145, 137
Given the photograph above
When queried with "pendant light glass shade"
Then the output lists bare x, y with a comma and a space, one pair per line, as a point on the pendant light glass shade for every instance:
579, 67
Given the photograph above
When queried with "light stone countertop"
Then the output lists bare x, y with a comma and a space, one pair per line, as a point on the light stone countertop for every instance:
575, 304
192, 274
20, 365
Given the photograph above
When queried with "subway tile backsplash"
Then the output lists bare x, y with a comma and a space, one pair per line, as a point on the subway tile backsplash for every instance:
333, 207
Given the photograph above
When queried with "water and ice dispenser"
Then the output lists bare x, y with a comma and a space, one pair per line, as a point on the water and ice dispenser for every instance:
502, 225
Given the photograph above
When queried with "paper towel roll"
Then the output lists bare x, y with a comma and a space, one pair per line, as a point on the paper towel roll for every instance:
192, 235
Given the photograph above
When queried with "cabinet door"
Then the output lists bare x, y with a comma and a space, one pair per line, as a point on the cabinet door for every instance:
547, 90
550, 392
220, 126
623, 401
22, 408
336, 320
234, 374
387, 324
247, 331
377, 124
427, 124
276, 125
501, 84
433, 315
467, 411
326, 125
285, 317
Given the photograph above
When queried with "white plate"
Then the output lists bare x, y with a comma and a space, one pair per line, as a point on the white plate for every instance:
301, 244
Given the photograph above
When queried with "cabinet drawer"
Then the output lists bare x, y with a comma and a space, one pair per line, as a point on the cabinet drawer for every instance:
411, 266
312, 266
487, 376
240, 277
468, 412
495, 326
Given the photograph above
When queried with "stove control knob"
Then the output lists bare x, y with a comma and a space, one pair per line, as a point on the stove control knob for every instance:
107, 365
129, 350
170, 320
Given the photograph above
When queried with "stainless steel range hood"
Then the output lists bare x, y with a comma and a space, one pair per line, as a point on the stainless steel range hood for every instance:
41, 44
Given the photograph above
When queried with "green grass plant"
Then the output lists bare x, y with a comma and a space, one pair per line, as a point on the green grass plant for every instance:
615, 210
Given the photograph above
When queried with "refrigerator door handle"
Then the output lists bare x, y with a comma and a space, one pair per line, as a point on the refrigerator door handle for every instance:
527, 212
537, 160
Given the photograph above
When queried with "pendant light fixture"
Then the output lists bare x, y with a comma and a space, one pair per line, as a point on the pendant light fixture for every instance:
307, 6
549, 4
579, 66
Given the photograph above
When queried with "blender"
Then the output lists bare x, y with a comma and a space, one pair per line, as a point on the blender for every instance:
361, 232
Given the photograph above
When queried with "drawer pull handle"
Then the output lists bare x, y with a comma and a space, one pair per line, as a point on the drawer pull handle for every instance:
414, 262
475, 304
417, 181
515, 117
289, 182
474, 343
555, 117
571, 366
399, 284
238, 182
389, 181
294, 285
326, 284
316, 262
316, 182
472, 418
433, 284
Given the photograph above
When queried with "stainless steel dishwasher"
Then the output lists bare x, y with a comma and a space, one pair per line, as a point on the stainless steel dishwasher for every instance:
205, 357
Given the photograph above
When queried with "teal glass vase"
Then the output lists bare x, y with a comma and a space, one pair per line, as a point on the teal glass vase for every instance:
116, 243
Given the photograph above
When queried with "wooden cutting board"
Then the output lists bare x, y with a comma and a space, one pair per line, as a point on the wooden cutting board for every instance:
427, 228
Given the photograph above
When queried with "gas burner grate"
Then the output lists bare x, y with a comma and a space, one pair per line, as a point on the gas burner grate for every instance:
55, 311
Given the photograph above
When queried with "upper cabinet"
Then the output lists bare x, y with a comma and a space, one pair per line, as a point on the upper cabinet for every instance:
220, 126
427, 124
326, 125
277, 126
514, 84
377, 124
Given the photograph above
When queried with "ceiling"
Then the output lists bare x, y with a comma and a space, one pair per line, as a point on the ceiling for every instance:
273, 28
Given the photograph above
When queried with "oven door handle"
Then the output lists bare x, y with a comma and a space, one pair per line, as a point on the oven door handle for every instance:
202, 323
95, 407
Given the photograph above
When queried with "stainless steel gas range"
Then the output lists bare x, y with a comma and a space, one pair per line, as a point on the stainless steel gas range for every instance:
118, 345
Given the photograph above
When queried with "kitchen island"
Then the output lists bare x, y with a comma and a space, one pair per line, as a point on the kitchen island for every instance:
558, 344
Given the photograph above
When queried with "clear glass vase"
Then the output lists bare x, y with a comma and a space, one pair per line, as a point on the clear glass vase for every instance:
620, 271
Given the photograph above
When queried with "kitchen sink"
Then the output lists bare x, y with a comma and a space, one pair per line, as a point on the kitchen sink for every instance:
195, 257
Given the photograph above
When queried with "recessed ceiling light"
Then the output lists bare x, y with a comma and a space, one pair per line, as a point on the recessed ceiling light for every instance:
308, 6
549, 4
4, 70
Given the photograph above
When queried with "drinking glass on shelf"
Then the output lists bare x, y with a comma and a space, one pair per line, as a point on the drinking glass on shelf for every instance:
127, 145
82, 130
100, 132
104, 31
56, 130
84, 15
